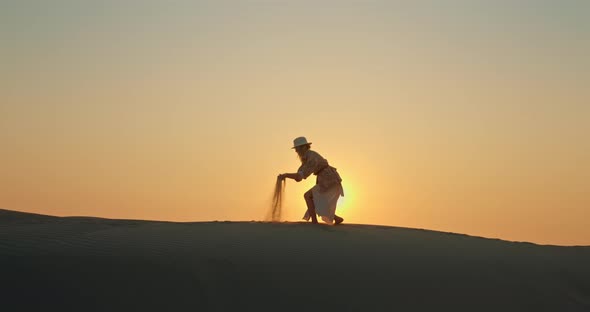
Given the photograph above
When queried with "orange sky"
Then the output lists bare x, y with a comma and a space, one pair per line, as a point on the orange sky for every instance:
469, 118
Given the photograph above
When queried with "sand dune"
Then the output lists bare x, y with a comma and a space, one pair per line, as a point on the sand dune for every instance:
92, 264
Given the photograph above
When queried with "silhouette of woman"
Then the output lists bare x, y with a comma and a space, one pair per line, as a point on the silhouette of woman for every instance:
321, 199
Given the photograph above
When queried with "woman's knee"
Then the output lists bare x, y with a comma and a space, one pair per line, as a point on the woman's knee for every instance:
308, 195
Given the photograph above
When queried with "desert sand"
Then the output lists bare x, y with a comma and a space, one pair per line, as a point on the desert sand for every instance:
92, 264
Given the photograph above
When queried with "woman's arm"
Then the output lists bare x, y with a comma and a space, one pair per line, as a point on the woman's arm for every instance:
294, 176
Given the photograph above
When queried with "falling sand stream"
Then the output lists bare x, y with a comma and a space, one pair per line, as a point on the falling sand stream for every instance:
277, 201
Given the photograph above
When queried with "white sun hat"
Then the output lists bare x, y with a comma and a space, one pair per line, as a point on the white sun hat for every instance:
300, 141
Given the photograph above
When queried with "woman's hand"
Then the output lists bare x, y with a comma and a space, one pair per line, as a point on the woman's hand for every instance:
281, 177
294, 176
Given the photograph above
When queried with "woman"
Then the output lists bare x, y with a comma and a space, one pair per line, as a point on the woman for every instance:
322, 198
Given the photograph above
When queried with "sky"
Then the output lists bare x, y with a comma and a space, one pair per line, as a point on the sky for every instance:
458, 116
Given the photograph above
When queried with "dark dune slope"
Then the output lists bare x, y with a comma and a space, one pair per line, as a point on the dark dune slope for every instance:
92, 264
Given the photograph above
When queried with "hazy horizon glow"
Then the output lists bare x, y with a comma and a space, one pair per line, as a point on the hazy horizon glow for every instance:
462, 116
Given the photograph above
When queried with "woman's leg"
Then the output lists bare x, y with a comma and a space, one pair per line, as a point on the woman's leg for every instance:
310, 206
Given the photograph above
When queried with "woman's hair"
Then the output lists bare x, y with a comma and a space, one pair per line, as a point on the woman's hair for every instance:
301, 150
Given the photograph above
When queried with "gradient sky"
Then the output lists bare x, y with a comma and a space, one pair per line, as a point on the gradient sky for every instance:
459, 116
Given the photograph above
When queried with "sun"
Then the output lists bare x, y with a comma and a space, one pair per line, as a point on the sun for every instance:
345, 203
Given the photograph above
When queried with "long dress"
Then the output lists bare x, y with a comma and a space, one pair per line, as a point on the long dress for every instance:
328, 186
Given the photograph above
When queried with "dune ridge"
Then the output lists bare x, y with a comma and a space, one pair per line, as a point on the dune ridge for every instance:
96, 264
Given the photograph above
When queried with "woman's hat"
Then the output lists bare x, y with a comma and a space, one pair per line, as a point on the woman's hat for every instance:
300, 141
